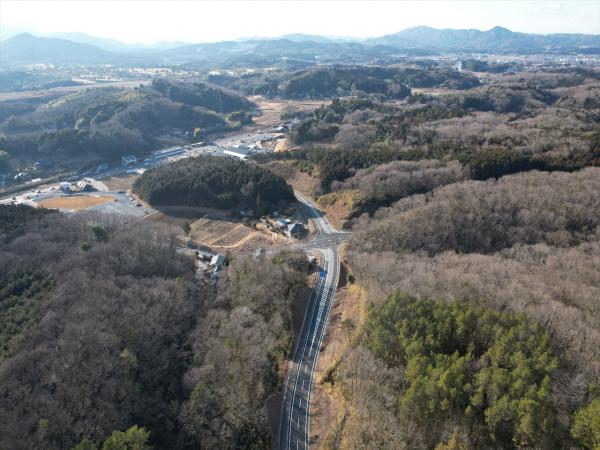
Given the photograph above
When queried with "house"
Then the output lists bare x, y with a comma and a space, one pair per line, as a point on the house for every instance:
217, 261
295, 230
21, 176
83, 186
128, 160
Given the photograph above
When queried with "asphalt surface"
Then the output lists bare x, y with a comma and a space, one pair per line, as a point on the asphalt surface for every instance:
295, 411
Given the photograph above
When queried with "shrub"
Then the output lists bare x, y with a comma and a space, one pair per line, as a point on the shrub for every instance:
586, 426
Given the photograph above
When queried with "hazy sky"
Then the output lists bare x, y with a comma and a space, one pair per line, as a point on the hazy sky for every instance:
202, 21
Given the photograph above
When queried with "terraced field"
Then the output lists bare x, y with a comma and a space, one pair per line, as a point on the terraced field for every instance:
234, 237
211, 231
219, 232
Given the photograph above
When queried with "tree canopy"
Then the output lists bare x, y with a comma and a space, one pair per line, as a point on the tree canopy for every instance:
219, 182
486, 371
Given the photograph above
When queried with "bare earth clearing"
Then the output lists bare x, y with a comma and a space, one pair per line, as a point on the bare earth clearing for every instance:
120, 182
207, 226
272, 108
75, 203
300, 181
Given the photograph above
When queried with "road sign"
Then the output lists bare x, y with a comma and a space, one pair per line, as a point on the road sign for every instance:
322, 273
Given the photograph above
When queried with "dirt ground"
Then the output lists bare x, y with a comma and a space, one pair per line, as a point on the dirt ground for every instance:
337, 215
75, 203
283, 145
254, 241
272, 108
338, 206
120, 182
208, 227
300, 181
327, 409
175, 221
219, 233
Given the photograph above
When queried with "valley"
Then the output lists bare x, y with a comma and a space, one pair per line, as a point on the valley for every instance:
300, 241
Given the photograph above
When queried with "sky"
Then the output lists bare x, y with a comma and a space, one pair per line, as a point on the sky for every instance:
141, 21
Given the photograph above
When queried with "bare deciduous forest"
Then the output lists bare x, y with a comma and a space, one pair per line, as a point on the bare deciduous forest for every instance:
471, 189
105, 329
527, 244
481, 203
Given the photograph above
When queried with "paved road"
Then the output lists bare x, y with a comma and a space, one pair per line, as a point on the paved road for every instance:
295, 412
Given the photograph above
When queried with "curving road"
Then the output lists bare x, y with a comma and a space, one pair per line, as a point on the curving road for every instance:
295, 411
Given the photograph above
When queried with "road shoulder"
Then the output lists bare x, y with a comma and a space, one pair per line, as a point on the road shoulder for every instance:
328, 408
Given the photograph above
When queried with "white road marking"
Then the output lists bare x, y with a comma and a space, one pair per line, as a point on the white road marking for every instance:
311, 336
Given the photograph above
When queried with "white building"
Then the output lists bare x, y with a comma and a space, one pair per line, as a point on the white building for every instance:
168, 152
239, 151
128, 160
217, 261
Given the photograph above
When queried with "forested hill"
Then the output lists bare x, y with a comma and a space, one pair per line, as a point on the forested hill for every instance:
108, 342
212, 181
338, 80
475, 257
506, 353
108, 123
205, 95
498, 39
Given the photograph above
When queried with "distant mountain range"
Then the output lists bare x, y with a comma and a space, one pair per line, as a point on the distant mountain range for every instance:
28, 49
112, 45
497, 39
79, 48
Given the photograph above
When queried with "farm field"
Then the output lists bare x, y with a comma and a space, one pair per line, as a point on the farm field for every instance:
219, 233
207, 229
75, 203
271, 109
120, 182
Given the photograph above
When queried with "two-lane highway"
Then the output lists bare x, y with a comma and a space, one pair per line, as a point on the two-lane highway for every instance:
295, 412
321, 223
